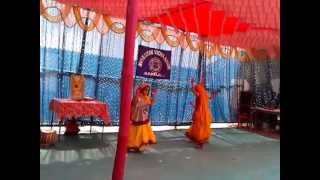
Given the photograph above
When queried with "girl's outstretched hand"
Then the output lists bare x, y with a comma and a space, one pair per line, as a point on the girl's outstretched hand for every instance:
192, 81
214, 93
154, 91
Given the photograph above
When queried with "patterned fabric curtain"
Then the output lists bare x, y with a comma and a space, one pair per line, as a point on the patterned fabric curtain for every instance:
263, 78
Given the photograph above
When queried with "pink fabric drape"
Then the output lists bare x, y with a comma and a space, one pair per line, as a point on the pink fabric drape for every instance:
117, 8
244, 23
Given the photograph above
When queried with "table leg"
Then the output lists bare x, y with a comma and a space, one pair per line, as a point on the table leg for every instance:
257, 122
91, 122
51, 123
102, 130
59, 124
253, 121
278, 122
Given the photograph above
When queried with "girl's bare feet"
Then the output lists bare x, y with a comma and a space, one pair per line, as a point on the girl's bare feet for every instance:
141, 149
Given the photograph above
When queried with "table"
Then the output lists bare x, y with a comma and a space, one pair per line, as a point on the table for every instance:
255, 110
267, 110
67, 108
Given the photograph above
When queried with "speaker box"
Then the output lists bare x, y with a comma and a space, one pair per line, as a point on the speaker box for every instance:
77, 86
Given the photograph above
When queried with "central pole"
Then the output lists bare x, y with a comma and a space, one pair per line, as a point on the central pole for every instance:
126, 87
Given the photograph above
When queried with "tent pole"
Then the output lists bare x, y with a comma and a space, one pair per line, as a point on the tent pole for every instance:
200, 59
126, 87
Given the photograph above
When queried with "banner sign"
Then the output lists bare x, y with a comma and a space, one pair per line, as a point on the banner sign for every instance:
153, 63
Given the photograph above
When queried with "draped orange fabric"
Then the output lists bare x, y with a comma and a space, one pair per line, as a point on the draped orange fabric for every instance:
200, 130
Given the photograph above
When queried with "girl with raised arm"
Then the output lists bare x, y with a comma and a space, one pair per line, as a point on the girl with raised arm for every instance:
200, 130
140, 132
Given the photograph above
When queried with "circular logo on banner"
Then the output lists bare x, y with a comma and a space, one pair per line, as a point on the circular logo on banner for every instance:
155, 65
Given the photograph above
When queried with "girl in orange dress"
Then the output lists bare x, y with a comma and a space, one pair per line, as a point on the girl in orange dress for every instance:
200, 130
140, 132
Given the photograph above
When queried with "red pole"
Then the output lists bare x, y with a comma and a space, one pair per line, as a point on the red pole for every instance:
126, 87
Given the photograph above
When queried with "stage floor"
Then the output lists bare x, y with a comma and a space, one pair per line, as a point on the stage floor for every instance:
232, 154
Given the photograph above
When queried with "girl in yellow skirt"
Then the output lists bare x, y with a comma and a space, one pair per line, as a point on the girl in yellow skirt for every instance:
200, 130
140, 132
